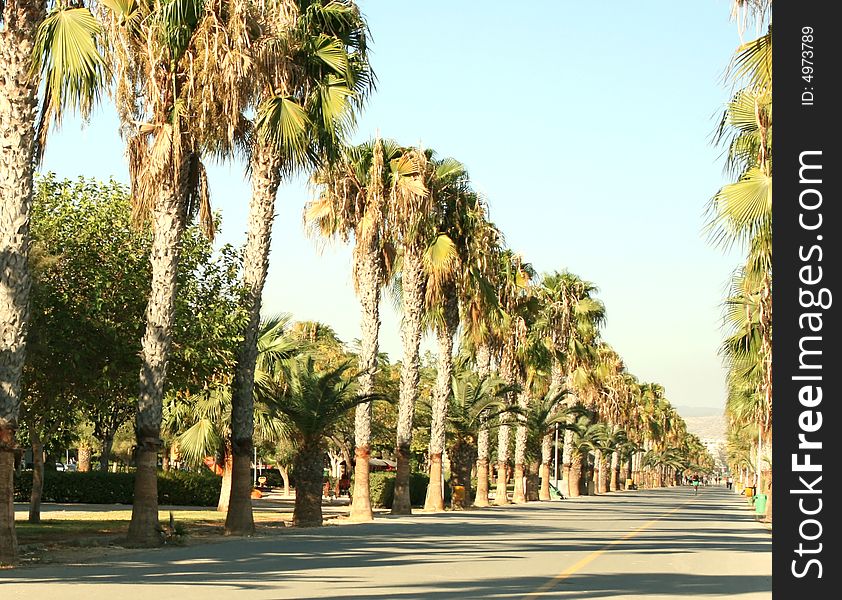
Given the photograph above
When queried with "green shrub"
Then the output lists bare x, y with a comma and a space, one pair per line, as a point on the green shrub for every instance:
181, 488
174, 487
382, 488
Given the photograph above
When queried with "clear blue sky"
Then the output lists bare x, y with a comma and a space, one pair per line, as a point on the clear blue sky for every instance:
587, 126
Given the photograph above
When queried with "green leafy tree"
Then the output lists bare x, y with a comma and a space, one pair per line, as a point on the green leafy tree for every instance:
91, 279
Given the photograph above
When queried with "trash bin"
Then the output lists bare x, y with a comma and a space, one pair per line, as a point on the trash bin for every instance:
750, 489
760, 504
458, 498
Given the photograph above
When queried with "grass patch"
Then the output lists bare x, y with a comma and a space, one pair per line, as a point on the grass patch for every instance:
79, 527
66, 530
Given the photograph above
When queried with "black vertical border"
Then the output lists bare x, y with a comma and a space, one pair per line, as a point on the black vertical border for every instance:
799, 128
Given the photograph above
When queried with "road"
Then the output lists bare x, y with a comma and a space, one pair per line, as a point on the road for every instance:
649, 544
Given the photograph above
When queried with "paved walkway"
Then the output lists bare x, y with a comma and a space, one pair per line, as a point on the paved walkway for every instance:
650, 544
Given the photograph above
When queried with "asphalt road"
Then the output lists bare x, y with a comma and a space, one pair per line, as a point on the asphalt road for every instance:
651, 544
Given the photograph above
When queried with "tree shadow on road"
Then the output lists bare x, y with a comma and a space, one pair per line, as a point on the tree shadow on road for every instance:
340, 559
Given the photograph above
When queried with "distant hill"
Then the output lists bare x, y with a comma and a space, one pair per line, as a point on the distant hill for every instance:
699, 411
711, 427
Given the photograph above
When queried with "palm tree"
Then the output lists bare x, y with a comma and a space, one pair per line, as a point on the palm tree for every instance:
588, 437
531, 363
581, 364
513, 285
480, 315
474, 399
309, 76
29, 40
741, 213
312, 402
545, 414
568, 316
425, 253
202, 424
451, 283
159, 51
352, 202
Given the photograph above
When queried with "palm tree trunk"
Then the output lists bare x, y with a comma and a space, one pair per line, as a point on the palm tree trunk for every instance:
308, 485
444, 335
8, 539
622, 473
17, 152
369, 275
265, 179
84, 451
227, 469
501, 496
567, 456
533, 469
614, 479
544, 474
519, 494
605, 472
413, 308
575, 475
483, 441
481, 497
169, 221
462, 456
37, 475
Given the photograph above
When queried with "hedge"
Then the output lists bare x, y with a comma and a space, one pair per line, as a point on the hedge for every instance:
382, 488
174, 488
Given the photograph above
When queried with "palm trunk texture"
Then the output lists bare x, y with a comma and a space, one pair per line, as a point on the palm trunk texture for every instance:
444, 335
85, 452
308, 485
501, 496
413, 307
227, 469
265, 179
544, 472
483, 437
533, 477
614, 477
17, 152
519, 494
575, 475
462, 456
169, 223
368, 274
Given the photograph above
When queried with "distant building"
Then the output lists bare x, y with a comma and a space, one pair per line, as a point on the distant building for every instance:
716, 447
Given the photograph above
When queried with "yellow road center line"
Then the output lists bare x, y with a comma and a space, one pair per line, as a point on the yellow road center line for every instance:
596, 554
